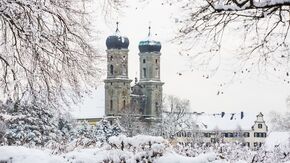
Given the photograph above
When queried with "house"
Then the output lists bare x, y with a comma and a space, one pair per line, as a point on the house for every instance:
226, 128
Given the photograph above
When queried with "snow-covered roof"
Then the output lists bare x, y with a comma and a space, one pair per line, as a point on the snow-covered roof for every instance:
226, 121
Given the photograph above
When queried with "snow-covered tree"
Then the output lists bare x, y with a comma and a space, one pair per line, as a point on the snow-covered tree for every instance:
106, 130
130, 121
29, 124
175, 117
259, 28
2, 130
280, 121
46, 46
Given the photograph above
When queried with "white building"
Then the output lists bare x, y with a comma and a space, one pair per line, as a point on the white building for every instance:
247, 129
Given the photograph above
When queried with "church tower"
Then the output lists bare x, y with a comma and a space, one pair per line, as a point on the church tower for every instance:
149, 58
117, 83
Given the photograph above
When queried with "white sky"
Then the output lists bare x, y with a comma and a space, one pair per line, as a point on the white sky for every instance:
250, 93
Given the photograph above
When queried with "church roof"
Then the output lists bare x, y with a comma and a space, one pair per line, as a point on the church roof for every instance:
149, 44
117, 41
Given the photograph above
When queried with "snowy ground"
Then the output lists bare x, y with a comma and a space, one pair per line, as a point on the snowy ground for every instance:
20, 154
139, 148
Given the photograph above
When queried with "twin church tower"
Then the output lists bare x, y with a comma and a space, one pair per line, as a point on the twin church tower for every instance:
145, 97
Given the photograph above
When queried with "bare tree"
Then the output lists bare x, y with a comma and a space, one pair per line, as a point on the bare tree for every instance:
260, 27
176, 117
130, 120
46, 51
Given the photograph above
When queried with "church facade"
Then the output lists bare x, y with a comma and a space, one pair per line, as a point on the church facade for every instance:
145, 97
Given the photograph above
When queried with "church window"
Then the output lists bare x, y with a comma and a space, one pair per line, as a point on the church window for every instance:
111, 58
157, 71
111, 69
111, 105
156, 105
156, 61
259, 125
124, 104
144, 72
144, 61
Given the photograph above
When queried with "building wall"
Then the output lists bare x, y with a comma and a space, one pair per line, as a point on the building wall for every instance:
117, 84
253, 137
150, 82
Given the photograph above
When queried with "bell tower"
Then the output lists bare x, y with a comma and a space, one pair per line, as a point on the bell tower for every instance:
117, 83
149, 58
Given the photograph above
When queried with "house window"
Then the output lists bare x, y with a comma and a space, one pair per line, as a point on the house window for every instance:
144, 72
260, 126
246, 134
231, 135
207, 135
226, 135
144, 61
111, 69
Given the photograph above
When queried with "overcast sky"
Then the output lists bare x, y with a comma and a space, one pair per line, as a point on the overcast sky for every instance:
248, 93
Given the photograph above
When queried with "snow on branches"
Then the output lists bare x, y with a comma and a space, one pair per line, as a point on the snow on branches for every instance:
45, 48
256, 32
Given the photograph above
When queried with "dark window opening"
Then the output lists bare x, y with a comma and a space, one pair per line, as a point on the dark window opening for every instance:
144, 72
246, 134
144, 61
111, 58
111, 69
260, 125
156, 61
111, 105
124, 104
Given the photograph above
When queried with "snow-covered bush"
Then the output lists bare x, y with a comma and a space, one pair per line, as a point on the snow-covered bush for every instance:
29, 123
2, 130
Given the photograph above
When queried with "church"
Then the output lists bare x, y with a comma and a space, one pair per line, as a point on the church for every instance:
145, 96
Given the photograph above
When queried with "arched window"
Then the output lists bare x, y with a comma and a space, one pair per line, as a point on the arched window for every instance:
112, 69
124, 104
156, 105
157, 72
144, 61
144, 72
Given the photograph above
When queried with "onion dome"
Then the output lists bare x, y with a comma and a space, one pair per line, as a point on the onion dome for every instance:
116, 41
149, 45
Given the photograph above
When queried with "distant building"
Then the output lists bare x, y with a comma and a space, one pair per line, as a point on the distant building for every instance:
145, 97
227, 128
